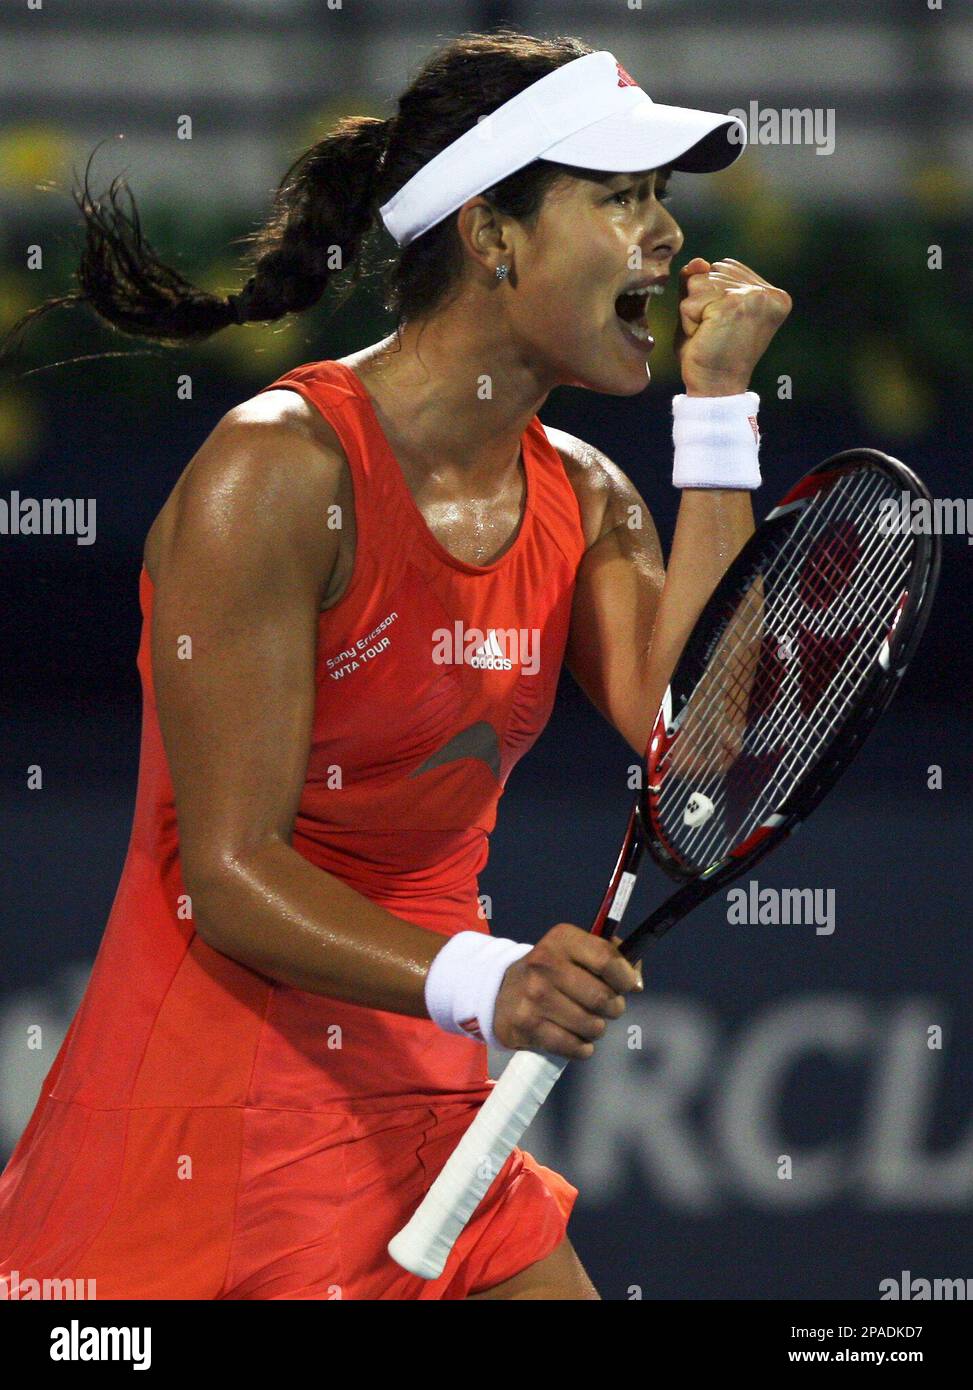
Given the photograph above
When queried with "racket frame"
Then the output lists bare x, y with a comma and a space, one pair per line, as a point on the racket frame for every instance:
873, 697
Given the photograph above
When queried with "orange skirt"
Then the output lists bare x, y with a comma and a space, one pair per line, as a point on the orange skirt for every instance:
244, 1203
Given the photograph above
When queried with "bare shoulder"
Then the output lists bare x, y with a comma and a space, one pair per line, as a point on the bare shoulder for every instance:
279, 440
271, 461
286, 409
603, 490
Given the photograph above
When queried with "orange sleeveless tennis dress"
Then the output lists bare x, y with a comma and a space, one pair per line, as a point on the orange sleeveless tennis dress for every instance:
206, 1132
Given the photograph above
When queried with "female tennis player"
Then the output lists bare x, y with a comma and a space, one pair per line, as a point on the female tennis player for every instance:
356, 603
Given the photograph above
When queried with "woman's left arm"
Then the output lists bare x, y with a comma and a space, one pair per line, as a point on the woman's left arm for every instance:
631, 615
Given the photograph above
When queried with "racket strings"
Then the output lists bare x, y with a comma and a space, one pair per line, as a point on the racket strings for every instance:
770, 760
795, 734
747, 642
773, 726
759, 607
782, 676
829, 632
808, 742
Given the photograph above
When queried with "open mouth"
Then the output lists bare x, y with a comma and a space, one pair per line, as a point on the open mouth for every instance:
632, 308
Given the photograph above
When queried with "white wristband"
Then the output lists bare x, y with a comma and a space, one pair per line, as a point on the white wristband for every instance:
716, 441
464, 980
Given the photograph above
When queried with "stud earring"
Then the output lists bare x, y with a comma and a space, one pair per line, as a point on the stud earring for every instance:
501, 271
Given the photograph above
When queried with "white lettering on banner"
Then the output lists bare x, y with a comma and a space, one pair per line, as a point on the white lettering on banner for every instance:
699, 1114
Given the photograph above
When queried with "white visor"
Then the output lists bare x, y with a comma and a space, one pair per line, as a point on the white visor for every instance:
589, 114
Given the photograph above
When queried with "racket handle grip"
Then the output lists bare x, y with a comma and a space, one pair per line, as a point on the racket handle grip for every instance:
424, 1243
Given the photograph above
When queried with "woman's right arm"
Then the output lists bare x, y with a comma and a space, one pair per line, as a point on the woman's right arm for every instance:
241, 574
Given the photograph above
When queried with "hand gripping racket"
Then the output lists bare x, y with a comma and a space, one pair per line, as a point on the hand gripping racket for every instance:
793, 659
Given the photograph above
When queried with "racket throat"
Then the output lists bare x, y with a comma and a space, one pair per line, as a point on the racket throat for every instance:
667, 915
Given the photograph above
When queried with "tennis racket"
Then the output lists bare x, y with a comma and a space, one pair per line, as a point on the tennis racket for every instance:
791, 662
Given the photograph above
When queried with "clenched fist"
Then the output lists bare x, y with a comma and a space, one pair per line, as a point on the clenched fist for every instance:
559, 997
727, 316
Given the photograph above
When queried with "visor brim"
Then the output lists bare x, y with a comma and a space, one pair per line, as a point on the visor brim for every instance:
652, 136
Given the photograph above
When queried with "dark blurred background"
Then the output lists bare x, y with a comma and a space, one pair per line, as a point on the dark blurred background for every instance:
756, 1042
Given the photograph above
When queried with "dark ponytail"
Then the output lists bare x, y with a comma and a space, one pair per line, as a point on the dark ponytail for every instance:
322, 210
325, 207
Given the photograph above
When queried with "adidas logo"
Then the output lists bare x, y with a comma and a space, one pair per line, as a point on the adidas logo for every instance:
490, 657
496, 649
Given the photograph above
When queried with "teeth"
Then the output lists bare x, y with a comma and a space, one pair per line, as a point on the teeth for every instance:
638, 327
